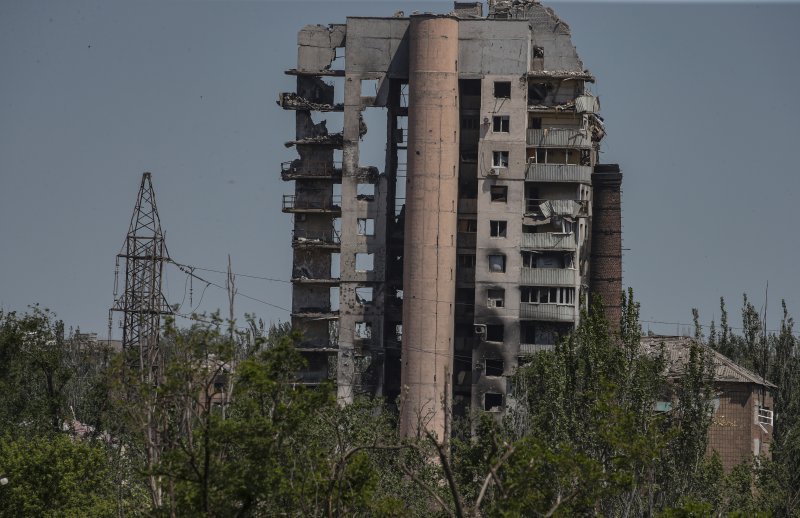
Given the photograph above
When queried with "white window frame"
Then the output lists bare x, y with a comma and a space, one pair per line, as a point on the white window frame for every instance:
498, 228
492, 299
764, 416
500, 159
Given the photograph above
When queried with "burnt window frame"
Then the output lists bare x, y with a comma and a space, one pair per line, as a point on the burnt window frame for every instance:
494, 367
498, 193
495, 333
504, 88
493, 402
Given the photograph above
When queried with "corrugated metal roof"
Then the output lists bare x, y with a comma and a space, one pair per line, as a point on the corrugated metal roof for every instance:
677, 349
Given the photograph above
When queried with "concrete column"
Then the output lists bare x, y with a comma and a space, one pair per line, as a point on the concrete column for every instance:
429, 259
606, 257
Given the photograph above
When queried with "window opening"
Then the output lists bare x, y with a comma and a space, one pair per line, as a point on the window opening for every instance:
500, 123
493, 367
465, 296
334, 298
497, 263
366, 226
466, 260
500, 159
369, 88
537, 92
499, 193
363, 295
365, 262
470, 123
363, 330
502, 89
494, 332
404, 95
542, 295
469, 226
498, 228
493, 402
496, 298
365, 191
764, 416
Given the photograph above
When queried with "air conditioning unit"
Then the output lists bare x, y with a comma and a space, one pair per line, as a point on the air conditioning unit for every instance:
480, 330
494, 171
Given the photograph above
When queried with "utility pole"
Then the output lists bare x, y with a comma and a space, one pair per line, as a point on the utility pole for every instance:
142, 304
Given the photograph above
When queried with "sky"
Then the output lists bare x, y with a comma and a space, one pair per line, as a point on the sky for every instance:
697, 98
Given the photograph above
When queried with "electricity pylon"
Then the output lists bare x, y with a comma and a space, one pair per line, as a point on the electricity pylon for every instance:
142, 302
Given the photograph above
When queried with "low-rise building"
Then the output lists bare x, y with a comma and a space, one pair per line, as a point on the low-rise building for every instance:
743, 411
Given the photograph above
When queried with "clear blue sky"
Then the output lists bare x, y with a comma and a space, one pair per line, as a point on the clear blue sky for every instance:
699, 99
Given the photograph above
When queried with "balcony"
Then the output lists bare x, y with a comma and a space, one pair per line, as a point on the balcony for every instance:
465, 275
547, 276
548, 241
323, 205
322, 281
546, 312
316, 239
587, 104
315, 314
292, 101
468, 205
470, 102
310, 170
558, 173
548, 208
332, 139
535, 348
312, 377
466, 240
559, 137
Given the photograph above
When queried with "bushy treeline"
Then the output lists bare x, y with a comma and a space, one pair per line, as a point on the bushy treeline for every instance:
227, 431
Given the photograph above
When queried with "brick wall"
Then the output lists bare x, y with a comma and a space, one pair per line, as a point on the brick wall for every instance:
606, 249
734, 431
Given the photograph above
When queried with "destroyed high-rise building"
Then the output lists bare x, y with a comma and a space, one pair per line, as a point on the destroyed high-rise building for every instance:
488, 222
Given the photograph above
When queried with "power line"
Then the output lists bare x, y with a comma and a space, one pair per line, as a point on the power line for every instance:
191, 267
188, 270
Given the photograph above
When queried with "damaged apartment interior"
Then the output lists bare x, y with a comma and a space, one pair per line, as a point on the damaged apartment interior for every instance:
427, 277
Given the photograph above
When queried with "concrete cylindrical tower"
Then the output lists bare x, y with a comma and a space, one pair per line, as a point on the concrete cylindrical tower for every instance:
606, 256
429, 259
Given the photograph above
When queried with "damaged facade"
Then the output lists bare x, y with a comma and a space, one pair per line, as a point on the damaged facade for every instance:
470, 244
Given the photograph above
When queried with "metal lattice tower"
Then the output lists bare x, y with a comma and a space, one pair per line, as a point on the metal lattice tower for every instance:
142, 302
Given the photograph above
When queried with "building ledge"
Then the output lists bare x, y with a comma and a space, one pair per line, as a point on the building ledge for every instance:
310, 314
334, 139
292, 101
310, 280
561, 74
296, 72
293, 203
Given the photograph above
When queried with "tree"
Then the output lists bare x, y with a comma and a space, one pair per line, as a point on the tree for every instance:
55, 476
33, 372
